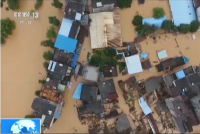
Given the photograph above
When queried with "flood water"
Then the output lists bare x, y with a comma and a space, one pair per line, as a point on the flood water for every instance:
22, 62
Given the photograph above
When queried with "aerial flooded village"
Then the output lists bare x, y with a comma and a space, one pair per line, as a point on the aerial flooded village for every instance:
118, 74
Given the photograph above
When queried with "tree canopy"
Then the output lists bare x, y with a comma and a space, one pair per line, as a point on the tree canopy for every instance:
13, 4
167, 25
48, 55
47, 43
51, 33
3, 41
147, 29
158, 12
194, 26
45, 65
38, 4
137, 20
42, 82
7, 26
125, 3
54, 21
57, 4
184, 28
122, 66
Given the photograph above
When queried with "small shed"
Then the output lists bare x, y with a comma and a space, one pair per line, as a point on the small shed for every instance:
146, 64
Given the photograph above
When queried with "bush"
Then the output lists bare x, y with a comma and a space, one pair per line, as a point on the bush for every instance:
175, 29
38, 4
57, 4
45, 65
147, 29
13, 4
1, 4
47, 43
48, 55
54, 21
184, 28
51, 33
158, 13
122, 66
139, 29
31, 13
37, 93
28, 116
42, 82
137, 20
125, 4
194, 26
7, 26
3, 41
167, 25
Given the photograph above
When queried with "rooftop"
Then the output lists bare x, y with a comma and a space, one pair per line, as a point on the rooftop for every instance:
110, 71
106, 89
82, 34
91, 108
52, 94
57, 68
105, 30
79, 69
89, 93
145, 108
123, 124
152, 84
100, 3
91, 73
53, 79
63, 57
153, 21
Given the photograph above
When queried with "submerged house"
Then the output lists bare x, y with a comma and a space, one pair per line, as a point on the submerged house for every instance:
152, 84
182, 113
107, 90
123, 124
47, 111
154, 22
103, 5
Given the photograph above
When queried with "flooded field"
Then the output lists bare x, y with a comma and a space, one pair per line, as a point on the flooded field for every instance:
22, 61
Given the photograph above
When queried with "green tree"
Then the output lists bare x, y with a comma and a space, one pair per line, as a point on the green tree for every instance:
139, 29
38, 4
51, 33
137, 20
37, 93
47, 43
167, 25
158, 12
111, 52
122, 66
13, 4
57, 4
53, 20
3, 41
1, 4
29, 116
45, 65
147, 29
125, 4
175, 29
42, 82
7, 26
184, 28
48, 55
194, 26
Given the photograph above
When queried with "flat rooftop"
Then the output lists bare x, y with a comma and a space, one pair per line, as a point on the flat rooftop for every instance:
91, 73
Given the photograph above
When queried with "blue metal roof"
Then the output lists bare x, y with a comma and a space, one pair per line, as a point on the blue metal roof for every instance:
75, 60
65, 43
155, 22
180, 74
77, 93
145, 108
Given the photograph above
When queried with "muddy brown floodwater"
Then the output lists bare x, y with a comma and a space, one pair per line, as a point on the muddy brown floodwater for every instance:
22, 61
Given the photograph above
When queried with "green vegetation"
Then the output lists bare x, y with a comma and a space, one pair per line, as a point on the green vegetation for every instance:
158, 12
7, 9
37, 92
48, 55
51, 33
38, 4
13, 4
1, 4
7, 26
57, 4
184, 28
31, 13
100, 58
45, 65
47, 43
137, 20
122, 66
3, 41
167, 25
54, 21
194, 26
175, 29
139, 29
125, 3
147, 30
28, 116
42, 82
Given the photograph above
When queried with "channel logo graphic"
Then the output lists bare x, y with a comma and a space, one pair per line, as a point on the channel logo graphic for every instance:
20, 126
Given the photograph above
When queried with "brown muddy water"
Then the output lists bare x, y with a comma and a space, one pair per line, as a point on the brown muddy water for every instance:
22, 62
